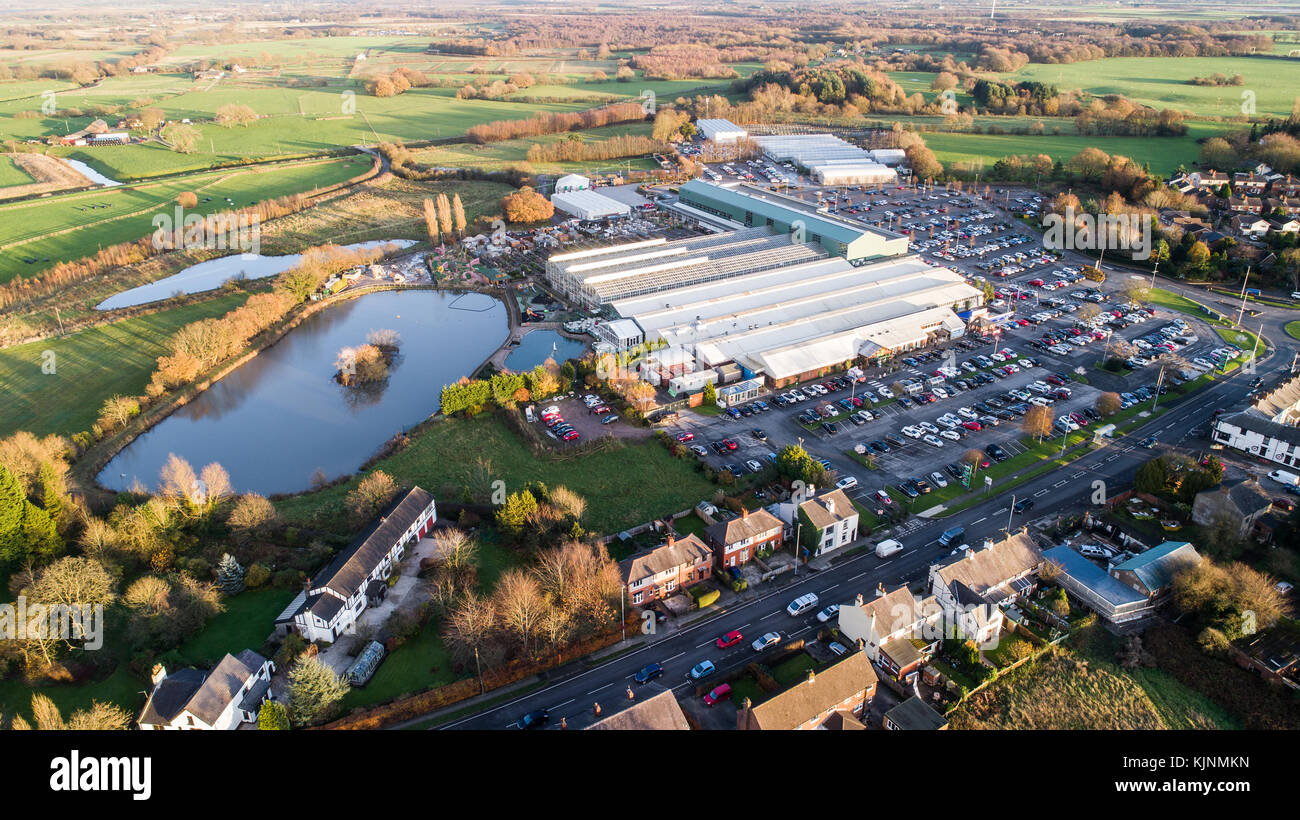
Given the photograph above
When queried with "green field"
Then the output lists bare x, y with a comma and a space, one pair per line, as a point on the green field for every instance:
90, 366
499, 155
1161, 82
25, 227
1162, 154
11, 174
627, 486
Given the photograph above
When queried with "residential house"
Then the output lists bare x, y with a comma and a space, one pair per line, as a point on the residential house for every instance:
1241, 501
674, 565
1151, 573
229, 695
1245, 204
914, 714
972, 585
658, 713
1249, 182
1212, 180
738, 540
1249, 226
1274, 653
1287, 205
829, 521
1269, 429
1290, 186
1284, 225
897, 631
356, 578
848, 685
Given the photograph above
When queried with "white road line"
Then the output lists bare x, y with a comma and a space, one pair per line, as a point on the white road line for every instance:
828, 589
985, 518
594, 691
675, 657
1058, 484
706, 643
774, 614
566, 703
1040, 493
856, 577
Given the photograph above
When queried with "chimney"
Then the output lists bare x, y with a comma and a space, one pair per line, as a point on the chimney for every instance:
862, 644
829, 504
669, 541
159, 674
858, 600
742, 714
744, 512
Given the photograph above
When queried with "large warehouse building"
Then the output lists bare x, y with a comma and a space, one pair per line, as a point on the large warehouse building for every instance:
801, 321
828, 159
589, 205
752, 206
720, 131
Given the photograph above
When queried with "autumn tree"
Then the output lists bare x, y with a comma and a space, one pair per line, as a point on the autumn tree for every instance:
1108, 404
458, 215
1038, 422
370, 496
431, 220
527, 206
184, 139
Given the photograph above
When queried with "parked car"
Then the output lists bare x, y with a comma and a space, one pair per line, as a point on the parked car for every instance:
648, 673
722, 690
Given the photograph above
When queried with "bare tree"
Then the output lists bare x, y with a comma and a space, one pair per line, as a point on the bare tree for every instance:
521, 604
1108, 404
1038, 422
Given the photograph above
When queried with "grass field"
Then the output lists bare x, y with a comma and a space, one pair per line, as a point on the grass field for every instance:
627, 486
245, 624
1162, 154
499, 155
90, 366
11, 174
1161, 82
25, 227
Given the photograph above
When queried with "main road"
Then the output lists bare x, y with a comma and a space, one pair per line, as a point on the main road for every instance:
1068, 488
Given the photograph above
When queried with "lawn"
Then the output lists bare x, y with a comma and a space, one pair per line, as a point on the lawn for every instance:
1161, 82
420, 663
509, 153
64, 228
1163, 154
89, 367
625, 486
246, 623
793, 670
1293, 329
1173, 301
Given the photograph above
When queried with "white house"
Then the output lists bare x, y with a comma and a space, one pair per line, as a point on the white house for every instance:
229, 695
1269, 429
833, 520
889, 626
356, 577
971, 585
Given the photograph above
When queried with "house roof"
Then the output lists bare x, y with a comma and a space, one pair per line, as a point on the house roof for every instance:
842, 720
660, 712
902, 652
828, 509
349, 569
170, 696
915, 713
987, 567
223, 684
689, 550
809, 698
1247, 496
1156, 567
746, 525
898, 609
1089, 575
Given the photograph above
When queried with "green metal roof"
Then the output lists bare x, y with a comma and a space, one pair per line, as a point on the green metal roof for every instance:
828, 227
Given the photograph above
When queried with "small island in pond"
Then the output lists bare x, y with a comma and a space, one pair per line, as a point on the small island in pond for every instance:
368, 363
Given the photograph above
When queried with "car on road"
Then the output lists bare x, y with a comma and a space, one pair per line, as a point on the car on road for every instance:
828, 613
1024, 504
888, 547
730, 639
702, 670
767, 640
722, 690
648, 673
1148, 442
846, 483
802, 604
951, 536
535, 719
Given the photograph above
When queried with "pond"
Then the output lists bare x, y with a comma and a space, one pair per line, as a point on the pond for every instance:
276, 420
540, 345
90, 173
214, 273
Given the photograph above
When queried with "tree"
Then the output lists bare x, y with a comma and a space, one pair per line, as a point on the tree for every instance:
251, 515
444, 215
794, 463
1038, 422
184, 139
230, 575
187, 199
527, 206
431, 220
521, 605
514, 514
100, 717
458, 215
455, 548
1151, 477
315, 692
370, 496
26, 531
273, 716
710, 395
1108, 404
235, 114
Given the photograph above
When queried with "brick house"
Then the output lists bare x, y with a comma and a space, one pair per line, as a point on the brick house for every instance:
737, 541
1240, 500
675, 565
847, 686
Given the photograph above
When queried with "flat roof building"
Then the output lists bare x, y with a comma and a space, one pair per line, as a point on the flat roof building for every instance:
720, 131
589, 204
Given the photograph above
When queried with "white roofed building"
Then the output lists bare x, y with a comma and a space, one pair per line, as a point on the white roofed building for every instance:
572, 182
589, 205
720, 131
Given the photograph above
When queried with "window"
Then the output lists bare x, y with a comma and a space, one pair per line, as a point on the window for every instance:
669, 586
637, 597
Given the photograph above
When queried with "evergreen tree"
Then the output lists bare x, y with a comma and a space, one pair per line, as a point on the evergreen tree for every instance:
315, 692
710, 394
26, 531
230, 575
273, 716
514, 514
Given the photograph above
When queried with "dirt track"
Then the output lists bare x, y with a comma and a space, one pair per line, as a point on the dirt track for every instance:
50, 173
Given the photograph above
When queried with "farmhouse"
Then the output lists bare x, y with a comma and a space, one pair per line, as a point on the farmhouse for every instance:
229, 695
340, 592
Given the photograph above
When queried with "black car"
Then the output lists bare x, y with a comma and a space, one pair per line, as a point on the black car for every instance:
954, 471
830, 427
758, 434
879, 446
996, 453
1024, 504
908, 490
1091, 414
648, 673
535, 719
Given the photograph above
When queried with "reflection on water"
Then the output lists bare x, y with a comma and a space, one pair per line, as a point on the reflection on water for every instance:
540, 345
275, 420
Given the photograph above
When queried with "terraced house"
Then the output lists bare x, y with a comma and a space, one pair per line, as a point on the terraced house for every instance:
738, 540
896, 630
675, 565
972, 585
357, 576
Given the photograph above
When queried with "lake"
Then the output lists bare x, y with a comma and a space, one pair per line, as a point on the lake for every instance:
277, 419
536, 348
214, 273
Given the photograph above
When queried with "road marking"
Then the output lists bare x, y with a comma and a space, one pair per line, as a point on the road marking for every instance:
566, 703
985, 518
706, 643
594, 691
673, 658
765, 617
828, 589
856, 577
1040, 493
1002, 510
1058, 484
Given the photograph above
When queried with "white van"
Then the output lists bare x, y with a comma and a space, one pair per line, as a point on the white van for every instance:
1283, 477
802, 604
887, 548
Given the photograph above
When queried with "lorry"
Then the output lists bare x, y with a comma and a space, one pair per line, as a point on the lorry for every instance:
887, 548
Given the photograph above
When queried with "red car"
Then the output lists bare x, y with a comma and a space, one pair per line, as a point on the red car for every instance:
730, 639
685, 437
1038, 283
719, 692
1022, 322
973, 426
731, 445
1057, 380
570, 436
599, 409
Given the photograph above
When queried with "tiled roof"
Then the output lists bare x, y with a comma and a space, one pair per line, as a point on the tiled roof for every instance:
820, 513
349, 569
223, 684
981, 569
741, 527
659, 713
689, 550
809, 698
